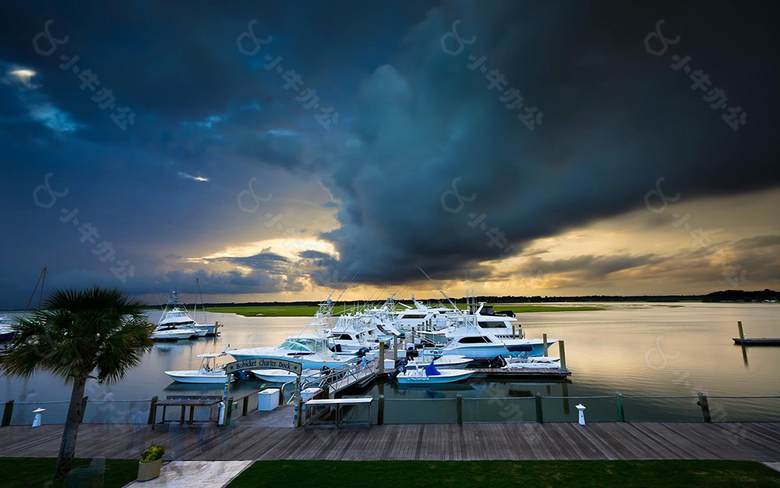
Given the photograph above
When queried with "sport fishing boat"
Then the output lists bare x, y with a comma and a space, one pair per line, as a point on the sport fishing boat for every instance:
311, 350
208, 372
430, 375
354, 332
177, 316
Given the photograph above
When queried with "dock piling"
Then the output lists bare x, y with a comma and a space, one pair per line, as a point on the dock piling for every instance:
395, 349
7, 413
381, 357
539, 413
705, 408
562, 354
544, 343
739, 327
152, 411
459, 407
380, 411
619, 404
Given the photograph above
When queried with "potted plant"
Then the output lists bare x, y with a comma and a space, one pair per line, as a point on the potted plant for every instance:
151, 461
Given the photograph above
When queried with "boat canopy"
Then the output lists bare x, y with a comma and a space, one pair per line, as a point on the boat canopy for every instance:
431, 370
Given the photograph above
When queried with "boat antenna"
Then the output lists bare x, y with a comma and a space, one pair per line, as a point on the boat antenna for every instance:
437, 287
350, 281
41, 281
340, 282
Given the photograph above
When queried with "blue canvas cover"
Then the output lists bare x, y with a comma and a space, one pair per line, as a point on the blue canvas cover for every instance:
431, 370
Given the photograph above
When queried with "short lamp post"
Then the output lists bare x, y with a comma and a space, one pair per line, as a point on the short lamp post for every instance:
38, 420
581, 409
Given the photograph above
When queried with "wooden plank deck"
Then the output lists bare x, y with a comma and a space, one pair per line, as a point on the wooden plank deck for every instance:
248, 439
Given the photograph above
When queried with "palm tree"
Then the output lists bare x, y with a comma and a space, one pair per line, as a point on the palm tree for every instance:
80, 332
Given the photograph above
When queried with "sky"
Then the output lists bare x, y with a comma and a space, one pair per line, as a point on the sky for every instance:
279, 150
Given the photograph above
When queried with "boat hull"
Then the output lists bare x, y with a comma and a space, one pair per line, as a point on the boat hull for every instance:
280, 375
314, 363
446, 376
192, 377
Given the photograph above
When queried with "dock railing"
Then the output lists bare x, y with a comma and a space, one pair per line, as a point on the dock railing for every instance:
455, 409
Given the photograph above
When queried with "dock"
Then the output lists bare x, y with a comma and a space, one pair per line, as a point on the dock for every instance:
246, 439
743, 340
757, 342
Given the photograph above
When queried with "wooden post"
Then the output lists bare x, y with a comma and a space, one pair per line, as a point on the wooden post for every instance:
459, 408
739, 327
7, 413
83, 408
152, 411
246, 405
228, 410
299, 413
619, 404
395, 349
705, 408
539, 413
562, 354
381, 357
380, 411
544, 343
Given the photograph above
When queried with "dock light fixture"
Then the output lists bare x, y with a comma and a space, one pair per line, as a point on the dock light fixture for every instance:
38, 420
581, 409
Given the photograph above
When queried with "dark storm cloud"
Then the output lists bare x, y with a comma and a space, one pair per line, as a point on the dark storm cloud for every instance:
412, 120
615, 120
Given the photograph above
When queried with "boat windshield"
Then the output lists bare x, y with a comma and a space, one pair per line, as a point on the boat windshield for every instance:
304, 345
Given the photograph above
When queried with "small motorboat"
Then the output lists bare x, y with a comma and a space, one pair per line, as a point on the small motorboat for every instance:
443, 362
207, 373
544, 362
429, 375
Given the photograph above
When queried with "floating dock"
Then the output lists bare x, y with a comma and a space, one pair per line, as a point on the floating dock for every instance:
757, 342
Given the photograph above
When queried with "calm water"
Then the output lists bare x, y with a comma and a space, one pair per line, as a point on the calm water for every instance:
636, 349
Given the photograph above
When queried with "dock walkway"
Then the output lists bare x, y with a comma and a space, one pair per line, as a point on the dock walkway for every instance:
246, 439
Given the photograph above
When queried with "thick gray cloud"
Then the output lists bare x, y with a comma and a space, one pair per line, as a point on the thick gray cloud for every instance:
615, 120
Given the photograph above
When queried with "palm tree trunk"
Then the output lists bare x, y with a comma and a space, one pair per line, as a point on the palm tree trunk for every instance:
72, 422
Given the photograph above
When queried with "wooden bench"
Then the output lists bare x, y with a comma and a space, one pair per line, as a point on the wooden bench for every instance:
336, 404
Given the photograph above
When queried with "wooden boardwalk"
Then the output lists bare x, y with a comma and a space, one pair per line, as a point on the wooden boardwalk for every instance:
248, 439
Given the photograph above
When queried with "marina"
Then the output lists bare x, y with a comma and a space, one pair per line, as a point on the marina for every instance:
695, 342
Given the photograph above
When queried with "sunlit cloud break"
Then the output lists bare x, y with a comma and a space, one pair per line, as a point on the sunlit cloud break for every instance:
196, 178
23, 76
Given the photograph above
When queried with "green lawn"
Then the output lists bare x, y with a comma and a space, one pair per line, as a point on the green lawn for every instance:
38, 472
309, 310
541, 308
268, 311
463, 474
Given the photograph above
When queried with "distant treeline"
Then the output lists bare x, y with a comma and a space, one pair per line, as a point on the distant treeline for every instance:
742, 296
718, 296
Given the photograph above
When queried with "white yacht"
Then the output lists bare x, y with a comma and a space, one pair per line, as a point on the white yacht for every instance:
500, 324
354, 332
311, 350
208, 372
177, 316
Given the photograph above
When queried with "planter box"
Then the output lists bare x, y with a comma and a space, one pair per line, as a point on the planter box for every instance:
149, 471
